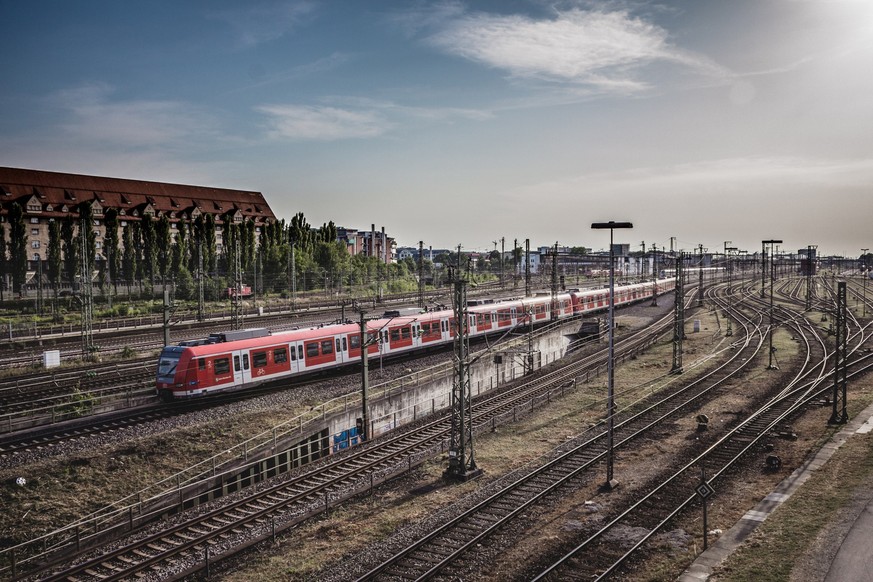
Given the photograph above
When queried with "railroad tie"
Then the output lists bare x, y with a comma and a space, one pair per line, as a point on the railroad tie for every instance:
185, 536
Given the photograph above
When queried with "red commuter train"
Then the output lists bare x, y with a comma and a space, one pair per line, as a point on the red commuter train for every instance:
236, 360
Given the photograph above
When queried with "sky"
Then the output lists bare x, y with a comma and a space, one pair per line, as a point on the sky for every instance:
454, 122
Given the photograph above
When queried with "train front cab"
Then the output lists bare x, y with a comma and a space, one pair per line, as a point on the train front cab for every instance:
168, 372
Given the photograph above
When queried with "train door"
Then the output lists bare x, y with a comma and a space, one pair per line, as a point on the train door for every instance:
295, 351
416, 334
342, 349
241, 371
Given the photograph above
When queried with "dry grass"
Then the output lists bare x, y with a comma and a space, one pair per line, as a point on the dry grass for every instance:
63, 489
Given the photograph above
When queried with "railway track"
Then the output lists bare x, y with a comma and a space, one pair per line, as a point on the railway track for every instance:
441, 553
679, 491
323, 486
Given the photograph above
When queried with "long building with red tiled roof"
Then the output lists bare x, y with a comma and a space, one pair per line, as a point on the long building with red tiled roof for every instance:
52, 195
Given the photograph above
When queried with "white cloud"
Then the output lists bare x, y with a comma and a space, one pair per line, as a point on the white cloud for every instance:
299, 122
257, 24
600, 49
90, 116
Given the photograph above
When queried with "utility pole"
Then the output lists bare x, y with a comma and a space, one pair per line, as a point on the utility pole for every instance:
421, 274
236, 321
462, 462
86, 296
293, 277
678, 317
502, 262
166, 312
200, 297
810, 266
654, 276
839, 415
554, 286
39, 301
864, 273
764, 244
527, 267
727, 250
642, 260
515, 256
700, 284
366, 342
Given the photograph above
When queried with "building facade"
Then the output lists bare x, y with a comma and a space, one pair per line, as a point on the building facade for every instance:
48, 196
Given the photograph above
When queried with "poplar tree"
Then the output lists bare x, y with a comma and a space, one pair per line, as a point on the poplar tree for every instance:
70, 248
54, 258
17, 247
163, 250
147, 263
111, 251
129, 260
4, 264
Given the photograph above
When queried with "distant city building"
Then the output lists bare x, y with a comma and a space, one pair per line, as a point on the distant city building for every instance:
370, 243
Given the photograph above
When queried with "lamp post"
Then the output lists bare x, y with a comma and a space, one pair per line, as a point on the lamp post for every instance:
610, 366
771, 242
729, 267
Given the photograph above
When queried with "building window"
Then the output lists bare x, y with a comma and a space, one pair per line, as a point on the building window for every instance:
34, 220
34, 244
123, 222
34, 232
36, 257
98, 245
96, 223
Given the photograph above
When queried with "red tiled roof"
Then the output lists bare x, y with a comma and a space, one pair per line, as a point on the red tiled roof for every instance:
58, 189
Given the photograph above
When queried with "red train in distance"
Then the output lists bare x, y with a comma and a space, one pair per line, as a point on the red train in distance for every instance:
245, 291
240, 359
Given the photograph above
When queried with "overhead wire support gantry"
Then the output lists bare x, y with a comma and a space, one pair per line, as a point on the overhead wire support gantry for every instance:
462, 461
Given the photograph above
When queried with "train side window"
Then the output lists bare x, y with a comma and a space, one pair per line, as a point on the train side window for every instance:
338, 345
259, 359
345, 345
355, 342
326, 347
201, 363
222, 366
245, 361
404, 333
312, 349
299, 352
236, 363
280, 356
395, 335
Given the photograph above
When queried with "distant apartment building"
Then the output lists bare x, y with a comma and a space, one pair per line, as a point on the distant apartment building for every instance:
48, 196
370, 243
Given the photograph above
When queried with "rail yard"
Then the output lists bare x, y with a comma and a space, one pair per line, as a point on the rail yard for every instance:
258, 483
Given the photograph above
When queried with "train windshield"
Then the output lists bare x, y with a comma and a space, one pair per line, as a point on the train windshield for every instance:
167, 365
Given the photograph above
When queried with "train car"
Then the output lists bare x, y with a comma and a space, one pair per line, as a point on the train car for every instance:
240, 359
690, 270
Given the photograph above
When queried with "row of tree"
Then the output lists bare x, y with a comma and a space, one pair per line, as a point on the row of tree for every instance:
155, 251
